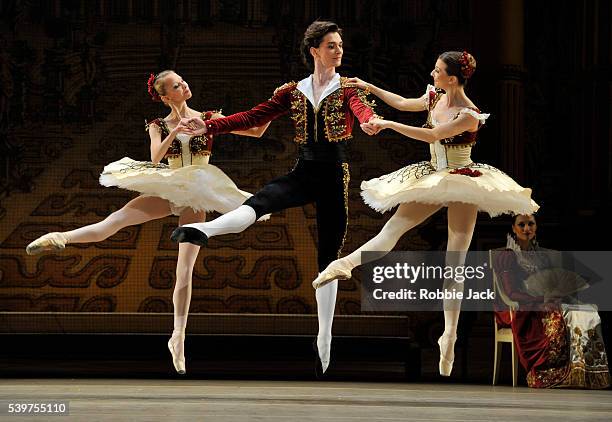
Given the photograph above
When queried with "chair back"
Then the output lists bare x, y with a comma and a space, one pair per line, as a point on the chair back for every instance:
497, 288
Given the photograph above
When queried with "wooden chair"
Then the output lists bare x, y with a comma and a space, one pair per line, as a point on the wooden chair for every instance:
503, 335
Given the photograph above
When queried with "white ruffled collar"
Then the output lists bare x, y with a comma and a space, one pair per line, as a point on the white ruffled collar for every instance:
528, 260
511, 244
306, 88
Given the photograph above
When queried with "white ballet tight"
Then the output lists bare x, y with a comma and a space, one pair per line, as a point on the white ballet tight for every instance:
138, 211
234, 221
461, 222
326, 304
240, 219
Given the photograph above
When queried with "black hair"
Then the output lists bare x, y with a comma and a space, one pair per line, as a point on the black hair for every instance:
312, 38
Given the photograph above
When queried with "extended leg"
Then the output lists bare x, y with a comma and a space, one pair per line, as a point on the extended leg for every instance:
405, 218
139, 210
281, 193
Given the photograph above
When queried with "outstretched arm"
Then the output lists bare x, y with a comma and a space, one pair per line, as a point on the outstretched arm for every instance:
464, 123
258, 116
255, 132
396, 101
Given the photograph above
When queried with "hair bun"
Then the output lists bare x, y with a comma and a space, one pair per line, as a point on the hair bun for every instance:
468, 65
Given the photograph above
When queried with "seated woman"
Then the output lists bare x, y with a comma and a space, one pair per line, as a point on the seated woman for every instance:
558, 345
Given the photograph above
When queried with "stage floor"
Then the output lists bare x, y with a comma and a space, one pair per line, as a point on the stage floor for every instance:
298, 401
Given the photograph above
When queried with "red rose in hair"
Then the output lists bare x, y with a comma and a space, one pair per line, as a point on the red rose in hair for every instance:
151, 88
467, 70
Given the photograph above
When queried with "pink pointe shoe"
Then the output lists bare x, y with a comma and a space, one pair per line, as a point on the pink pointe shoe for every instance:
446, 343
337, 270
55, 241
177, 360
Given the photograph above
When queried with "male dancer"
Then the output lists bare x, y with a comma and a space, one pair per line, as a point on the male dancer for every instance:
321, 107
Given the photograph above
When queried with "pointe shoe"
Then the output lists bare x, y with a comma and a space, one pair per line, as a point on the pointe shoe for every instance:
321, 365
446, 365
189, 234
55, 241
337, 270
177, 361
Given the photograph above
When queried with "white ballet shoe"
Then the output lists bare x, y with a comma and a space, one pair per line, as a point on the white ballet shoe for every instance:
55, 241
446, 343
336, 270
177, 360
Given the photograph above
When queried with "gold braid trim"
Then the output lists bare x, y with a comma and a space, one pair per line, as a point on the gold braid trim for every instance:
284, 86
298, 115
335, 118
363, 97
346, 178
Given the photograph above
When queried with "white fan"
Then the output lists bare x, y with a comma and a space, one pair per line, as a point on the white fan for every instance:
555, 283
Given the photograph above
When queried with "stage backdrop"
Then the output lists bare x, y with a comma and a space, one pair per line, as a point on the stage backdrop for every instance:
73, 98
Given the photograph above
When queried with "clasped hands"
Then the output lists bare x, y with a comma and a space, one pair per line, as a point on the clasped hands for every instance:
193, 126
374, 125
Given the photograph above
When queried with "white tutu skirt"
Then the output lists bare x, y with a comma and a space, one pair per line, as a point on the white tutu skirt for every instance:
200, 187
492, 190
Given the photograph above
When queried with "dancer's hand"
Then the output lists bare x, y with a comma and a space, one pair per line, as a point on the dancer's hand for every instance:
195, 126
375, 125
367, 128
182, 128
357, 83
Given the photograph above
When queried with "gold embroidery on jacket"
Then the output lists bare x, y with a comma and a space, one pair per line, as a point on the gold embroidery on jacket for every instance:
291, 84
335, 117
298, 115
346, 178
363, 97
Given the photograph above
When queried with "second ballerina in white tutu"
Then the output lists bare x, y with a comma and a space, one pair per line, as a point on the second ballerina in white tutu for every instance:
449, 179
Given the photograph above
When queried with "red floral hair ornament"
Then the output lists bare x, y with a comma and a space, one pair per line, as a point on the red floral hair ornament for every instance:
467, 70
151, 88
466, 172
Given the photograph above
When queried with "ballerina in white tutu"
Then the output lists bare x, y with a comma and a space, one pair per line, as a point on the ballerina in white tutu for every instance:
187, 187
449, 179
